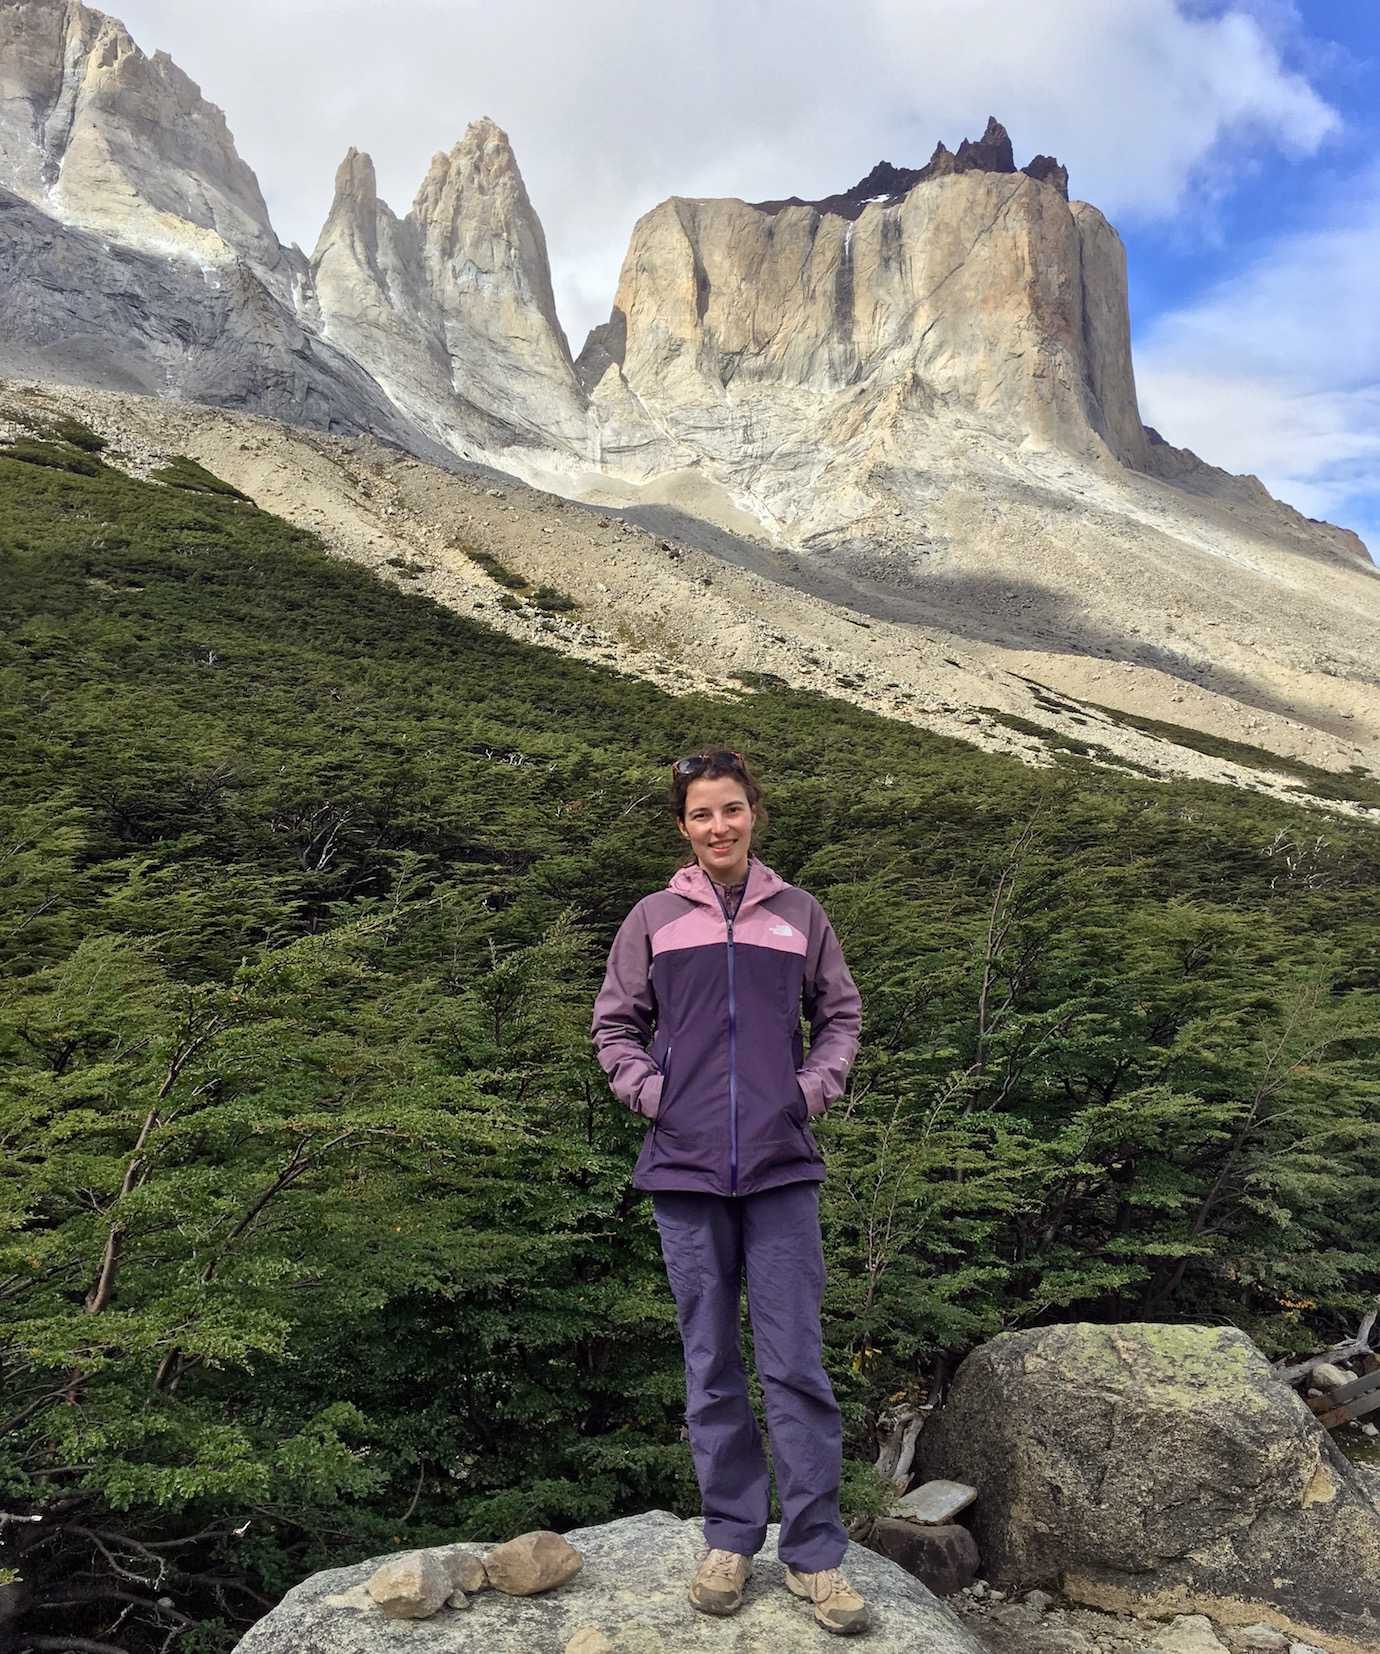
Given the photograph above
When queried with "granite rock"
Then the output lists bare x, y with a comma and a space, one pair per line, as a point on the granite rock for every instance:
632, 1587
1254, 1517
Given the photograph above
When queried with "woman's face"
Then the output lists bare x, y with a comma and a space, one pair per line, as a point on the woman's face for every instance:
718, 822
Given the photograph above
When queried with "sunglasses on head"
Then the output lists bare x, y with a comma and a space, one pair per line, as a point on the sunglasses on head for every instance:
698, 761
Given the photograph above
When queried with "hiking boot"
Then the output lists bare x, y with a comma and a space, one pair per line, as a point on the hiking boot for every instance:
838, 1607
717, 1587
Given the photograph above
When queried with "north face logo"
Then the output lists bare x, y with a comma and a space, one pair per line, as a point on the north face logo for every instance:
782, 930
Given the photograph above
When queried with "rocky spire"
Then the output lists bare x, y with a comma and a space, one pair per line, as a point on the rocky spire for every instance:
989, 153
353, 218
451, 307
480, 236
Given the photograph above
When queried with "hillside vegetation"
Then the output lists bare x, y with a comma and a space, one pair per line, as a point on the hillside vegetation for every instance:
316, 1233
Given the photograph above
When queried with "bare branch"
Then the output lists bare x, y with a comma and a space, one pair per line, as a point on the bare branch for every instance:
72, 1645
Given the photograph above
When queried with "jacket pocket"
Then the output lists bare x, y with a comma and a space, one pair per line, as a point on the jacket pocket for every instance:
665, 1086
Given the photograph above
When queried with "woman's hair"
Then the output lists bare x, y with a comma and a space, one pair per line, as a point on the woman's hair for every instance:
716, 762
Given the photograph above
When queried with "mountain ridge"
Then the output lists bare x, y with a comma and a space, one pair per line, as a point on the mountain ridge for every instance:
993, 651
448, 311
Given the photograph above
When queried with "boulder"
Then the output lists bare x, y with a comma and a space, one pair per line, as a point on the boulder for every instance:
1257, 1639
1161, 1469
1188, 1634
1328, 1376
631, 1587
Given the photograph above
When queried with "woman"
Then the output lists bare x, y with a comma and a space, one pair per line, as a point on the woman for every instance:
697, 1026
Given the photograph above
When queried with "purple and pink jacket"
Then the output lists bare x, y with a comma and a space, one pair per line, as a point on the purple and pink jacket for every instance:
697, 1026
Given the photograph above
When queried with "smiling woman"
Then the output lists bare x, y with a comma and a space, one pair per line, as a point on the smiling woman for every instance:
698, 1027
719, 824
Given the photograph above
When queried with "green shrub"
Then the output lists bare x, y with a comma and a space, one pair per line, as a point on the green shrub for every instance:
550, 600
67, 429
56, 456
182, 471
498, 571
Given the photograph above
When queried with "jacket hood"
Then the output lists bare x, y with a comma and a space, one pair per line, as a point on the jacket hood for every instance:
694, 883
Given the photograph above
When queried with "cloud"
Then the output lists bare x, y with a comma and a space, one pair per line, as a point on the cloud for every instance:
612, 106
1276, 370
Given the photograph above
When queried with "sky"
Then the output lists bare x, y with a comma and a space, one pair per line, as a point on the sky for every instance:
1232, 142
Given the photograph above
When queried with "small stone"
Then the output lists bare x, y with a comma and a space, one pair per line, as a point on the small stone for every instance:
411, 1586
466, 1570
935, 1501
532, 1562
457, 1599
943, 1556
1327, 1376
1257, 1639
589, 1639
1039, 1602
1305, 1648
1189, 1634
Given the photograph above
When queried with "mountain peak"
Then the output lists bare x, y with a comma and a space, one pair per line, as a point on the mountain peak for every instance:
123, 143
482, 161
886, 184
355, 176
989, 153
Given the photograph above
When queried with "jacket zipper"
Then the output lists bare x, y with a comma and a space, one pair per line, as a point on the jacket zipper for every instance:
732, 1056
732, 1070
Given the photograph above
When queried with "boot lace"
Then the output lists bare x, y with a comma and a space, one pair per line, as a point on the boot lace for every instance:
829, 1580
722, 1562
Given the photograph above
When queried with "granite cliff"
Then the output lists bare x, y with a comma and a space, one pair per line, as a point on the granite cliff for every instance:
779, 346
135, 247
839, 370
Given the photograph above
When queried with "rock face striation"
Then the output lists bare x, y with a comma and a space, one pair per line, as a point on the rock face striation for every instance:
450, 308
85, 310
777, 347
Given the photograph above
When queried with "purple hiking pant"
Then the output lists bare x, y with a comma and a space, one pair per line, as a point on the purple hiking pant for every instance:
709, 1241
